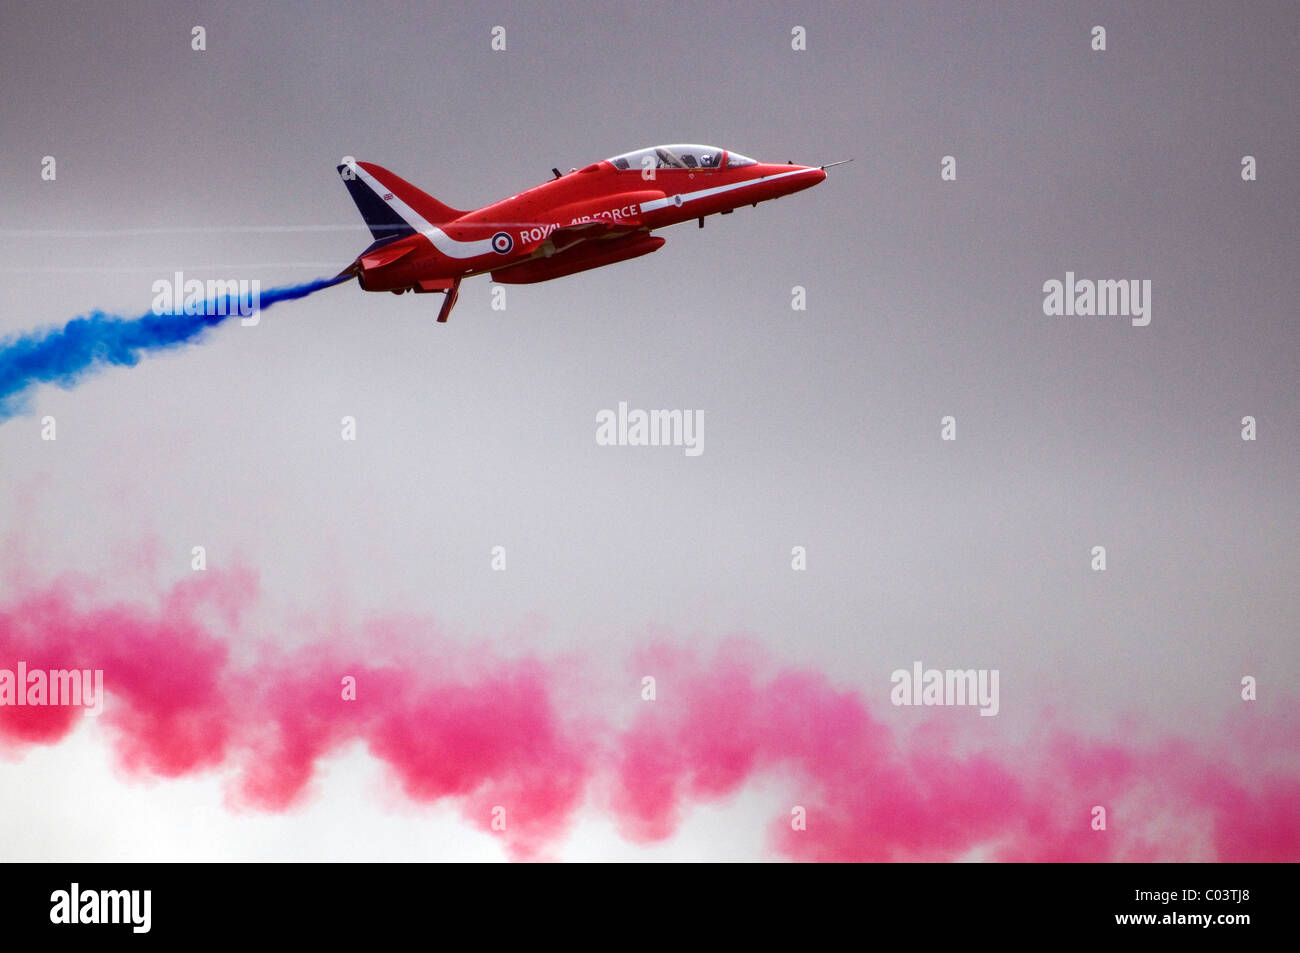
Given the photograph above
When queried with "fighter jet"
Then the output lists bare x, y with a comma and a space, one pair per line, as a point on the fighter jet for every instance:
597, 215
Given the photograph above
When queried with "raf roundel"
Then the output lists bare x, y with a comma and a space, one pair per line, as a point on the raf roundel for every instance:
502, 243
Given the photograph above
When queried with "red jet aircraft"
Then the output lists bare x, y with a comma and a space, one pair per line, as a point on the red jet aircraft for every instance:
597, 215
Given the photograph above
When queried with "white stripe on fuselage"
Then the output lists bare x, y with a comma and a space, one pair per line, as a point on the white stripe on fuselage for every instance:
716, 190
436, 236
458, 249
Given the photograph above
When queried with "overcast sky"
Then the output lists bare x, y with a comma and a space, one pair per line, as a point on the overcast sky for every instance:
822, 426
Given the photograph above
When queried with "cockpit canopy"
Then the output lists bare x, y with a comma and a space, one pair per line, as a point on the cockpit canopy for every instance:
680, 157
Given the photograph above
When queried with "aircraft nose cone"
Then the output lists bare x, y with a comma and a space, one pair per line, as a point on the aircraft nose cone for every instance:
820, 176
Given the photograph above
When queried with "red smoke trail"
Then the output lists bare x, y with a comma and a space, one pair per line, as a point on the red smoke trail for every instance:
490, 731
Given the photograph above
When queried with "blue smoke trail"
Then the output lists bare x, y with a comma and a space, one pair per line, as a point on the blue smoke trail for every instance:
65, 355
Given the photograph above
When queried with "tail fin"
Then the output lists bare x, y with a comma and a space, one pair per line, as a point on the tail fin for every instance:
391, 206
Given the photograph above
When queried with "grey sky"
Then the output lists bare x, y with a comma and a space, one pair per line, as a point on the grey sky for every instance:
822, 426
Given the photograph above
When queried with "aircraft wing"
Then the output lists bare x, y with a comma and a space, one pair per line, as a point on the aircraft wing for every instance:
570, 235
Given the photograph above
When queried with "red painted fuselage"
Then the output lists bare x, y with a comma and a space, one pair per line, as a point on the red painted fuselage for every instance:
597, 215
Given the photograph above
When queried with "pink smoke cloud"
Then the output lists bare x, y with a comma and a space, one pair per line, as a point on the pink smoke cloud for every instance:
190, 691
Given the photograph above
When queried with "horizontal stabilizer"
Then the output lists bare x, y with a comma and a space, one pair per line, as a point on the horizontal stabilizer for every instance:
386, 255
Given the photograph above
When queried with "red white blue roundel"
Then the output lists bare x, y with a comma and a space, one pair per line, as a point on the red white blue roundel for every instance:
502, 243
